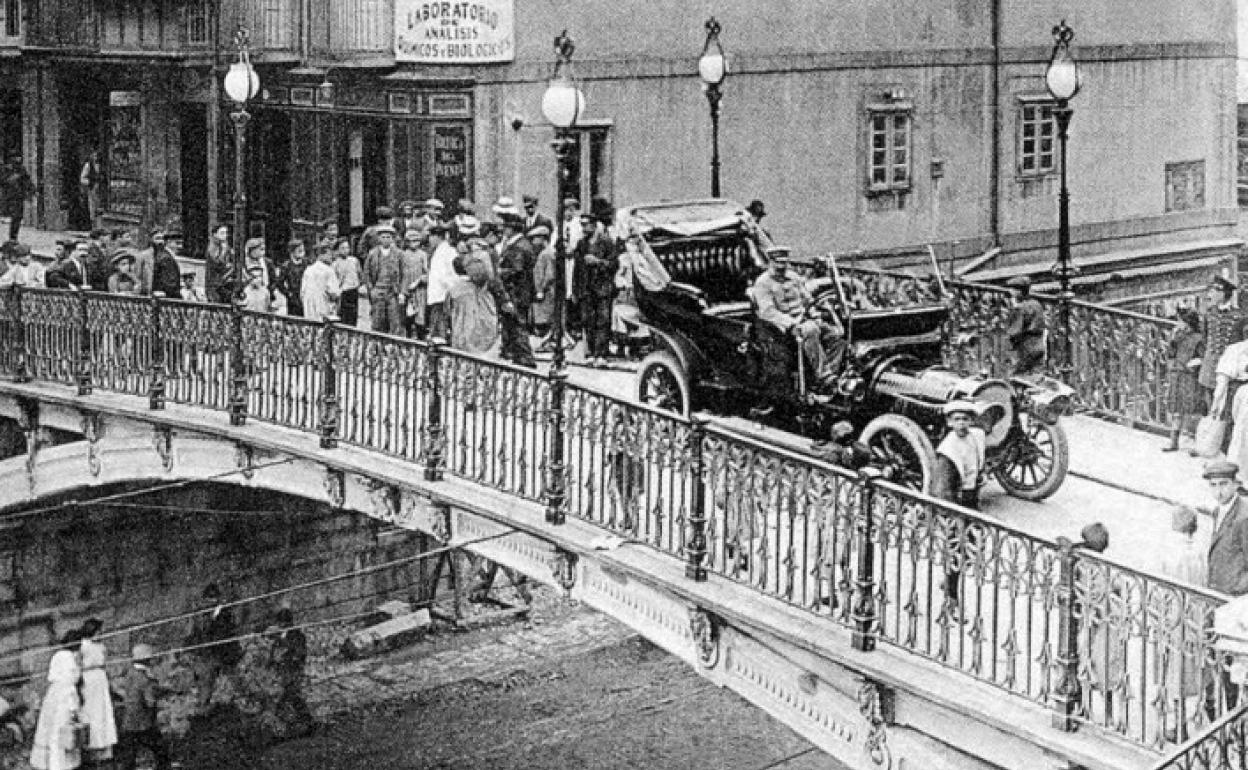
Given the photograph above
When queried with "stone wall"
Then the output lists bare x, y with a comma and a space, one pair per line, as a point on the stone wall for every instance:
129, 565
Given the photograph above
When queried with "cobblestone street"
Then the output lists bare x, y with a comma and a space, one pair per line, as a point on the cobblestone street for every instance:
565, 688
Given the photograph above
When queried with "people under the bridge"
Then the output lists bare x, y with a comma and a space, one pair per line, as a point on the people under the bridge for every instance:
1025, 329
140, 699
783, 303
56, 746
216, 650
290, 657
97, 698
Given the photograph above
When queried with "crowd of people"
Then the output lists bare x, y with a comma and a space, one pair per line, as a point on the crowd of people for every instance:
105, 261
105, 714
486, 284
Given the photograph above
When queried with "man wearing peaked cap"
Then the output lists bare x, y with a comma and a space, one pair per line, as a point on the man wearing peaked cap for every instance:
1221, 316
1228, 547
1025, 329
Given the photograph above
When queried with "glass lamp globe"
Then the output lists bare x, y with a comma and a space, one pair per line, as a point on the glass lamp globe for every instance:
1062, 76
562, 103
712, 68
242, 83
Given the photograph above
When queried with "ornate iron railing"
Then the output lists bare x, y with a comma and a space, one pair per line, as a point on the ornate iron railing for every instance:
1100, 643
1119, 364
1223, 746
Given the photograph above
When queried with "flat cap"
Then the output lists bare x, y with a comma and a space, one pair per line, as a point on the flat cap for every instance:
121, 256
142, 652
384, 212
961, 406
433, 203
1221, 469
1019, 282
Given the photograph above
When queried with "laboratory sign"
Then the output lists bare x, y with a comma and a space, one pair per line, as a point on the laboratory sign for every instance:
454, 33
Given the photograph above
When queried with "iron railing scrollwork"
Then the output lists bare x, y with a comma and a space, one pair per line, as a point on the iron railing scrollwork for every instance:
1099, 643
1119, 356
1223, 745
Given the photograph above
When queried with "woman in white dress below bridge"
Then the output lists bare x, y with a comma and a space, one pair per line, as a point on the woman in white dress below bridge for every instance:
97, 701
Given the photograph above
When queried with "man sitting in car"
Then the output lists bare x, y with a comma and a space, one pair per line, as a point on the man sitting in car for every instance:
784, 302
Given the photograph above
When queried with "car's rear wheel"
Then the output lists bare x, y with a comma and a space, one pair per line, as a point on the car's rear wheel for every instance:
663, 383
904, 450
1036, 461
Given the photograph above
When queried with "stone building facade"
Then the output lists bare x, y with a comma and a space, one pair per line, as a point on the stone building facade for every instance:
372, 101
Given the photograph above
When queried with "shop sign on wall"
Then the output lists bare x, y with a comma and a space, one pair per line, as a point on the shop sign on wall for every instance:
429, 32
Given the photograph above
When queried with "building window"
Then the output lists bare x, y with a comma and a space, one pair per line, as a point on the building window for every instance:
1037, 135
12, 18
889, 150
198, 28
1185, 185
589, 165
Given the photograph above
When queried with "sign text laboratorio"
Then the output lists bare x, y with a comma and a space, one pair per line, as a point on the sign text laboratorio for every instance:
454, 33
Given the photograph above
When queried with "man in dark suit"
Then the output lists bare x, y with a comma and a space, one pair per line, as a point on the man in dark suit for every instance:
166, 272
596, 264
515, 271
1228, 558
71, 272
1228, 546
532, 218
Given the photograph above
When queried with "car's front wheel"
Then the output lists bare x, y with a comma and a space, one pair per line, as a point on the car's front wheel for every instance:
901, 446
1036, 459
663, 383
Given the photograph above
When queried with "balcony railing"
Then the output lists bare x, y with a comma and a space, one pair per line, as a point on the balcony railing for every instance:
355, 27
1103, 645
164, 27
275, 25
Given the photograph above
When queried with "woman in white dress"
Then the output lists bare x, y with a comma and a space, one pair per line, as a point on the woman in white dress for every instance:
97, 701
55, 748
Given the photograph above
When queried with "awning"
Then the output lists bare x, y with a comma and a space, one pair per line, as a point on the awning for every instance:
1094, 268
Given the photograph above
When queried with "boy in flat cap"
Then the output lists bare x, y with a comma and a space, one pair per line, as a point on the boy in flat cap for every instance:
1025, 328
959, 471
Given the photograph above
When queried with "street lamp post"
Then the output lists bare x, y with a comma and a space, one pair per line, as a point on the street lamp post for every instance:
241, 85
712, 68
562, 104
1062, 80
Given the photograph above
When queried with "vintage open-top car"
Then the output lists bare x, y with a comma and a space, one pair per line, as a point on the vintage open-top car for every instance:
713, 353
